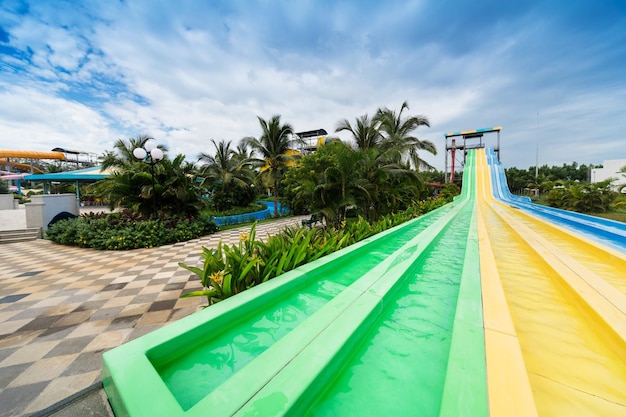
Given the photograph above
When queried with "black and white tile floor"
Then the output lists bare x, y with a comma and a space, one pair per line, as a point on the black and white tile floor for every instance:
61, 307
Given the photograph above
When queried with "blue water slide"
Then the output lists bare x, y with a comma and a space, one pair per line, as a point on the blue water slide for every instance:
250, 217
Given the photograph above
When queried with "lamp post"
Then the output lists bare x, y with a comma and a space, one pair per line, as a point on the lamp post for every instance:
150, 154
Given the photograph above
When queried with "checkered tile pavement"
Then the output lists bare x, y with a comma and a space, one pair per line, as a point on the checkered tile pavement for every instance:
61, 307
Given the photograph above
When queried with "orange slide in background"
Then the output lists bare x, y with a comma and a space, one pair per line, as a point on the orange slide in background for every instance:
7, 154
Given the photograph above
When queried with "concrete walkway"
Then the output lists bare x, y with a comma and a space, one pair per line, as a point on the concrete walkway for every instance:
61, 307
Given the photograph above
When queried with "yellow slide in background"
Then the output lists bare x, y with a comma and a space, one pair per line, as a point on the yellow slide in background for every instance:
566, 318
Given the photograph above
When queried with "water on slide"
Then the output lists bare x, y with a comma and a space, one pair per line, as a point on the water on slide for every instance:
218, 356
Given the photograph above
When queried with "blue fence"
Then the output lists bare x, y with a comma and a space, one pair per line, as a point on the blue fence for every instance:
251, 217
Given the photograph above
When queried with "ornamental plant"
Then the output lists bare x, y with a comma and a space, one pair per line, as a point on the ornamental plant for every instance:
229, 270
128, 230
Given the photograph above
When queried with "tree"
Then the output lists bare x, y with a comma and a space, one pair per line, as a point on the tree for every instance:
225, 166
176, 189
364, 132
337, 178
122, 152
583, 197
4, 187
620, 200
243, 153
397, 129
227, 174
341, 184
272, 147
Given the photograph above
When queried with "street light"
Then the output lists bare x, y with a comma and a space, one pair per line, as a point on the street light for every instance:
150, 154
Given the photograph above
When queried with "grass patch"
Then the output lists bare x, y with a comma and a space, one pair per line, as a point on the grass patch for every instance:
619, 216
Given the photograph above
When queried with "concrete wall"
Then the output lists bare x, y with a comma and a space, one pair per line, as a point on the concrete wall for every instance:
610, 170
43, 208
7, 202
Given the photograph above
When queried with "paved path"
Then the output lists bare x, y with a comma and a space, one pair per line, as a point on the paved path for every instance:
61, 307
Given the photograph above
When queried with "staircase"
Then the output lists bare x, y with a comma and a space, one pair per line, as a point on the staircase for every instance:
21, 235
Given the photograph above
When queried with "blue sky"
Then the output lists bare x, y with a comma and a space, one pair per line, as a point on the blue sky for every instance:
83, 74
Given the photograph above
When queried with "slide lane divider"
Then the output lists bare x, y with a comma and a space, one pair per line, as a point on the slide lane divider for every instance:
296, 384
465, 389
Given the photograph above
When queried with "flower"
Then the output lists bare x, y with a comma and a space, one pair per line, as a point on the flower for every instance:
217, 277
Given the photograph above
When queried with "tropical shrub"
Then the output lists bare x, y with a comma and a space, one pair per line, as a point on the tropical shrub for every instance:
224, 198
449, 191
229, 270
177, 188
338, 180
228, 176
128, 230
583, 197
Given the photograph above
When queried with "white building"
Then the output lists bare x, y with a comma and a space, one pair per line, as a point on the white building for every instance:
611, 170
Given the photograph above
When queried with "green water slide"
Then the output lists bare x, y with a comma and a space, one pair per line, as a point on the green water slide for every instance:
389, 326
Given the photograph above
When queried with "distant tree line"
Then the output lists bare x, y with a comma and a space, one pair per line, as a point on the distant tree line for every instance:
547, 177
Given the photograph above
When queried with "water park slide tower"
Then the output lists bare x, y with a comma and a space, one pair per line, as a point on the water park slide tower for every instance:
467, 135
311, 140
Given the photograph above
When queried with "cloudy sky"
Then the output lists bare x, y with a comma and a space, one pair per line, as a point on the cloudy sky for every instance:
83, 74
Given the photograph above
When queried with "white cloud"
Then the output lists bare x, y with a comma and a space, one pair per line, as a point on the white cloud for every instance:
32, 120
186, 73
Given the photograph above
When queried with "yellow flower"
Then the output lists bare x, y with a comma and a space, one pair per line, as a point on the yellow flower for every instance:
218, 277
244, 236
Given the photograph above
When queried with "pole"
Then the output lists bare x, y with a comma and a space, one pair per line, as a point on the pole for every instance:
453, 156
537, 150
154, 208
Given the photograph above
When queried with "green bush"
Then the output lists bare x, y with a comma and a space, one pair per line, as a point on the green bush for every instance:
121, 231
228, 270
583, 197
449, 191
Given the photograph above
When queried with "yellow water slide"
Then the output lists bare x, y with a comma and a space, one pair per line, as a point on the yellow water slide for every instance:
7, 154
555, 315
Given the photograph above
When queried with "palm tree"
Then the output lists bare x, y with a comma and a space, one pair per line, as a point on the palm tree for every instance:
364, 132
394, 186
398, 140
342, 185
122, 152
179, 191
272, 147
224, 167
127, 187
228, 175
176, 188
243, 153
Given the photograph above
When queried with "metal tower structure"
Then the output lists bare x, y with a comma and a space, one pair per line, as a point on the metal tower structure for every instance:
467, 135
